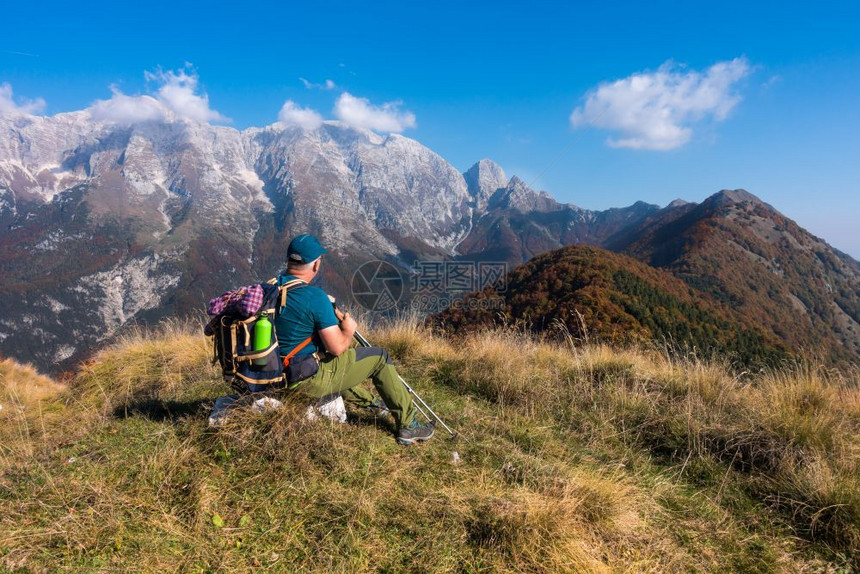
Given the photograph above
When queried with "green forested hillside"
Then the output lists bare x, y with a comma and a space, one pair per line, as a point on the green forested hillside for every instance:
595, 294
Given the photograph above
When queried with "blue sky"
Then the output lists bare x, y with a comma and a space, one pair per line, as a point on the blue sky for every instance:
673, 100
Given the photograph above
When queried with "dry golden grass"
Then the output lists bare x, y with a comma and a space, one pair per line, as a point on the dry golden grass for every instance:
793, 434
23, 386
26, 402
572, 459
146, 363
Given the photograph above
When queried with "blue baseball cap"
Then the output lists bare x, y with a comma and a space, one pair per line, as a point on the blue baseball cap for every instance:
304, 249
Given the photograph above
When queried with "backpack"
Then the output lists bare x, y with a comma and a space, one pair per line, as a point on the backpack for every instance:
235, 317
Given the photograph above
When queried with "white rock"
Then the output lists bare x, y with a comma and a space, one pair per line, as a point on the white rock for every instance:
331, 407
266, 404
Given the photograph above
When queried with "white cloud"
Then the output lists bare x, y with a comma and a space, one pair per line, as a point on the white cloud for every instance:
8, 105
360, 113
327, 85
178, 91
771, 81
292, 115
123, 109
654, 110
176, 97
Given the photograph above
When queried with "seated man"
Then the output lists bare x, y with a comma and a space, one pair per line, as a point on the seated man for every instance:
312, 332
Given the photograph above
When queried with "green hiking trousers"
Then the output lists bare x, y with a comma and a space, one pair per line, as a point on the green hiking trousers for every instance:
345, 373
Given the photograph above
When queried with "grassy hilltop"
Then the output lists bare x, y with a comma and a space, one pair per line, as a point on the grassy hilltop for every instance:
572, 459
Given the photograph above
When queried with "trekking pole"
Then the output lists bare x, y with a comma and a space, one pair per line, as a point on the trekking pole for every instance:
419, 402
435, 418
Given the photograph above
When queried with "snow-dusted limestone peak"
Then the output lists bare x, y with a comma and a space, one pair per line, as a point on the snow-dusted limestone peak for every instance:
338, 179
518, 195
483, 179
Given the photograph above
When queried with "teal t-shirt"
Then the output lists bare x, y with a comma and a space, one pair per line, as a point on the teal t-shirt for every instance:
307, 310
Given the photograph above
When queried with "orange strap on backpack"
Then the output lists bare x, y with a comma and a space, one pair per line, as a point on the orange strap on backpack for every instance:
301, 346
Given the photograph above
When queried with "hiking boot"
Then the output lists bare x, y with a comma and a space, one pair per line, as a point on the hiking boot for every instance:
415, 432
377, 408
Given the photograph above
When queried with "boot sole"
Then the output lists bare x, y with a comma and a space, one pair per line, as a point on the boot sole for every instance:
409, 441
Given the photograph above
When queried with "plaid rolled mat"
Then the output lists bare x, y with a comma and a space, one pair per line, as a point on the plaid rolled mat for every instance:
242, 302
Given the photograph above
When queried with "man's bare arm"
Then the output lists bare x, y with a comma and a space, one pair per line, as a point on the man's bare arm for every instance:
338, 338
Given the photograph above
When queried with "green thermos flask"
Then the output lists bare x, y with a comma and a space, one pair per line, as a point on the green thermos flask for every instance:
262, 337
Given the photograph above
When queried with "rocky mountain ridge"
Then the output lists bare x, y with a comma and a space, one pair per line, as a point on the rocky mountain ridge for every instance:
103, 224
744, 253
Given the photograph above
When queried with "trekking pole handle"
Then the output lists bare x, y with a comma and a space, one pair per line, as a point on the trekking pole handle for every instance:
337, 309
